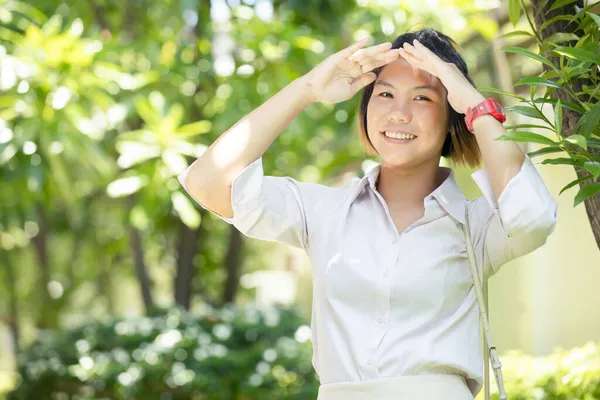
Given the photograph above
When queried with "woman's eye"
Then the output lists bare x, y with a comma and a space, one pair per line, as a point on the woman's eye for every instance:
384, 93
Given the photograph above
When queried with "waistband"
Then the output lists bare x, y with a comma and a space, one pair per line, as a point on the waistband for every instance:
422, 387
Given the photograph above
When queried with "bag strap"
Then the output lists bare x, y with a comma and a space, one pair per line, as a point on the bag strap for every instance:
489, 350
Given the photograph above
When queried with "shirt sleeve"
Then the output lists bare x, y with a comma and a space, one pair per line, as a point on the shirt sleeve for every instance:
518, 223
268, 208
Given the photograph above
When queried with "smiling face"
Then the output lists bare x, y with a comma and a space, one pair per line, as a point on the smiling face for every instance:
412, 101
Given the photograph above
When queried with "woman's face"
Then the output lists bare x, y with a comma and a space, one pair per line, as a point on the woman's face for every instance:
399, 105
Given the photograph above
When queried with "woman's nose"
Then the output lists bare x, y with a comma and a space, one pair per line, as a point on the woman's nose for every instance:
396, 118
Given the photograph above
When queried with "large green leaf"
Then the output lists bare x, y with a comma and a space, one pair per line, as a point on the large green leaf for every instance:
536, 81
514, 11
573, 183
527, 111
515, 33
525, 52
565, 103
559, 4
520, 126
545, 150
560, 161
593, 167
502, 92
578, 140
578, 54
529, 137
558, 118
586, 192
590, 121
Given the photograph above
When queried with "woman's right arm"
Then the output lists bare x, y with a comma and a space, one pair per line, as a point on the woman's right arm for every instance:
336, 79
209, 180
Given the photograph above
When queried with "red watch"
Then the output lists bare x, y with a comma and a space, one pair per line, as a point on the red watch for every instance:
488, 106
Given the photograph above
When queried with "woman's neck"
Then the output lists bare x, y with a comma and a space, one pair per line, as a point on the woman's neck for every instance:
409, 186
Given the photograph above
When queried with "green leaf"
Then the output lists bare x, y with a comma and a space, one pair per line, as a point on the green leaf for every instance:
590, 121
516, 33
593, 167
593, 143
595, 17
578, 140
514, 11
573, 183
195, 128
586, 192
560, 161
545, 150
527, 111
558, 118
565, 103
502, 92
561, 37
536, 81
559, 4
146, 111
185, 209
525, 52
519, 126
528, 137
578, 54
553, 20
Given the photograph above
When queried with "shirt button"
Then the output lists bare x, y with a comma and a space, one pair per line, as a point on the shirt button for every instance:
369, 363
380, 320
385, 273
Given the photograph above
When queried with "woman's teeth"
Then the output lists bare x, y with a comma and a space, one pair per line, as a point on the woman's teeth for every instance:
404, 136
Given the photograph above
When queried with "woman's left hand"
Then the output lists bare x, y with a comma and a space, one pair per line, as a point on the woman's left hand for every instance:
461, 94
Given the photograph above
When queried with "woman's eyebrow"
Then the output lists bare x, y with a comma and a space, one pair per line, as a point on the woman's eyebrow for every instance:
426, 87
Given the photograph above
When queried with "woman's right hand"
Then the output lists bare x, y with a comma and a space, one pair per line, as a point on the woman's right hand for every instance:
341, 75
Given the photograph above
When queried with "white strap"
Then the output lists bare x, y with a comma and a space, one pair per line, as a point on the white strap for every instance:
482, 299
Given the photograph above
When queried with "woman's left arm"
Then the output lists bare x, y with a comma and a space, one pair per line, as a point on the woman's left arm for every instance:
503, 159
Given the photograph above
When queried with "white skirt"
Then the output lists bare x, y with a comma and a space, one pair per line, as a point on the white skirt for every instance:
409, 387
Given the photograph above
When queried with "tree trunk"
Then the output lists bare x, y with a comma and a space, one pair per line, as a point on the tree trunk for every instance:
41, 249
141, 271
570, 118
13, 314
187, 248
232, 265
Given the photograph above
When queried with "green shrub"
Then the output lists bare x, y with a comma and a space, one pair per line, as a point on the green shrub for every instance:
237, 353
564, 375
229, 353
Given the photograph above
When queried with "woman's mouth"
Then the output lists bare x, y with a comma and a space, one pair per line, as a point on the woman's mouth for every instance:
398, 137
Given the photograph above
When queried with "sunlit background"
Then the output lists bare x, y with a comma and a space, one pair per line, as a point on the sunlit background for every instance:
114, 284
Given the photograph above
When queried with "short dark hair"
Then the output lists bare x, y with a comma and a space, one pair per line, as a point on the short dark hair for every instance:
460, 144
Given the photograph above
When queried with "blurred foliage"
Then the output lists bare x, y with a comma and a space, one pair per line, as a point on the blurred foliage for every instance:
564, 374
103, 104
228, 353
579, 58
237, 353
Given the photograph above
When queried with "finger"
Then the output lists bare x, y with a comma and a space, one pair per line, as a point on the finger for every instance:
370, 51
390, 55
409, 56
363, 81
422, 47
378, 63
348, 51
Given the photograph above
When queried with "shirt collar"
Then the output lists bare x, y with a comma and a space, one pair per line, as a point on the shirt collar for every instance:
448, 194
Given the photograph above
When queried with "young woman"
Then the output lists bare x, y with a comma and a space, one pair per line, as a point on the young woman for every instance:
395, 313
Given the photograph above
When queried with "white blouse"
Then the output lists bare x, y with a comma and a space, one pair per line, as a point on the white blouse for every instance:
389, 303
